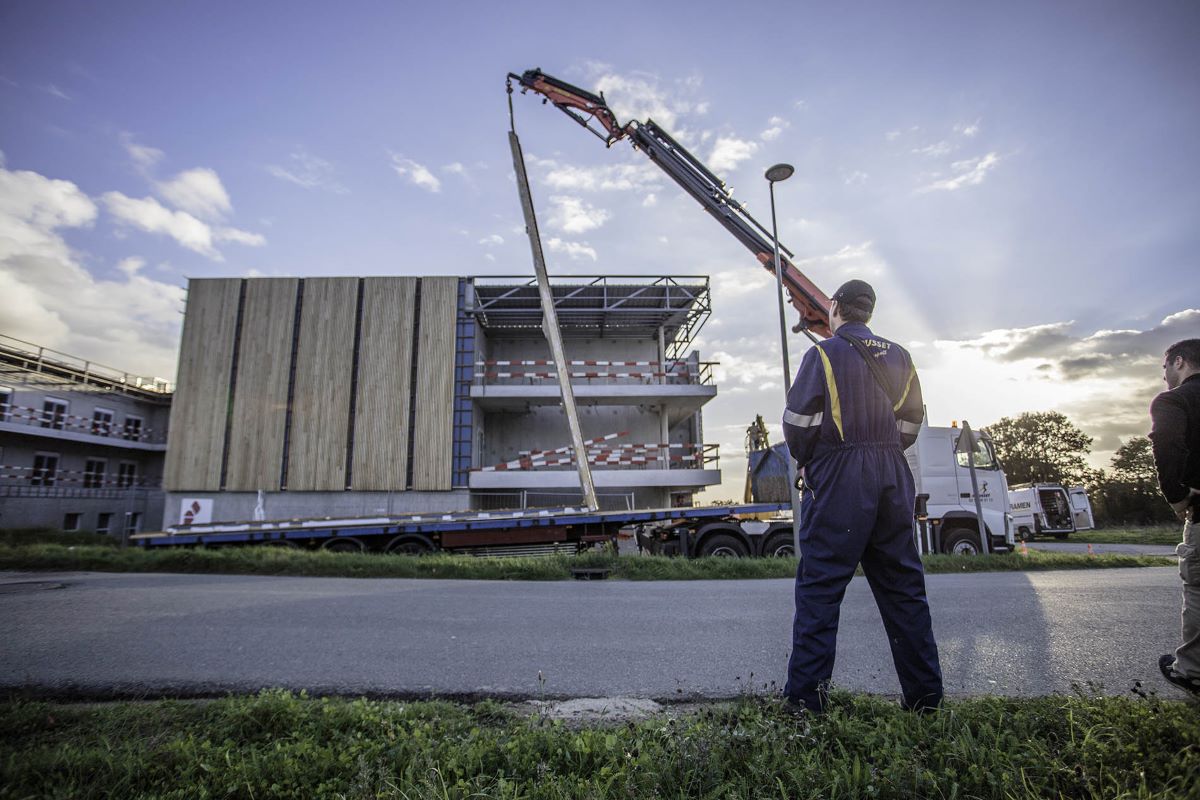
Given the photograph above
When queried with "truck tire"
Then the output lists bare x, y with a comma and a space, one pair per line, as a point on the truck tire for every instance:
780, 545
724, 545
960, 542
1061, 535
344, 544
410, 545
1024, 534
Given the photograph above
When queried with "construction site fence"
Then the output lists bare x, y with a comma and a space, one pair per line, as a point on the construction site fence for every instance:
537, 372
35, 478
618, 457
497, 501
52, 419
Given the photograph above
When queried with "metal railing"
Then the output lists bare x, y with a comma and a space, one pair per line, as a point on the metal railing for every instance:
44, 360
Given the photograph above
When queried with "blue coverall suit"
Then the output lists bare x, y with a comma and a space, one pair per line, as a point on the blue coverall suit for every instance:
849, 437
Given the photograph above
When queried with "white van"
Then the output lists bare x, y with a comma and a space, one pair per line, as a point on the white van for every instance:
1041, 509
1081, 508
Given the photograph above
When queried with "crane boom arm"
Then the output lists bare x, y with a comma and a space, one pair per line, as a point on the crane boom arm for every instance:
694, 178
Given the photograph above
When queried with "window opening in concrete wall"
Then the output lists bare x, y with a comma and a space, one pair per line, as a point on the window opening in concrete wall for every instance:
93, 473
71, 521
133, 522
54, 413
102, 422
133, 428
45, 469
126, 474
6, 396
103, 522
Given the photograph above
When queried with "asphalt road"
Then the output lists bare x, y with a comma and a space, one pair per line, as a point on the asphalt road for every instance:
1001, 633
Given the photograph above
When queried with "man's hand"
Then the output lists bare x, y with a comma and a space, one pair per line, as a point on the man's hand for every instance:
1183, 507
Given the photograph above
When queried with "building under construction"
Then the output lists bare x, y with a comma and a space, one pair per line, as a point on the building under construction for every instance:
81, 444
351, 397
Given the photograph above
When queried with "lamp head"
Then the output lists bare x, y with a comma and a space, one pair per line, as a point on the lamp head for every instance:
780, 172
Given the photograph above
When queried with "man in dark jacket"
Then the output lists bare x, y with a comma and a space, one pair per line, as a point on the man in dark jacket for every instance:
847, 425
1175, 434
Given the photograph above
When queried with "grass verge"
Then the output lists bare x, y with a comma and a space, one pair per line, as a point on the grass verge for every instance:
1151, 534
280, 745
280, 561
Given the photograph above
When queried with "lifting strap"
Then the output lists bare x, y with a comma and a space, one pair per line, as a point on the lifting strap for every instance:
874, 366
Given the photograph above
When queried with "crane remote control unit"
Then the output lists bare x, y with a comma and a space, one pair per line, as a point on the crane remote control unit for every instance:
693, 176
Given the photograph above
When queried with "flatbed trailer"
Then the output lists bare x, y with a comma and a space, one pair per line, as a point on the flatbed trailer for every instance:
686, 531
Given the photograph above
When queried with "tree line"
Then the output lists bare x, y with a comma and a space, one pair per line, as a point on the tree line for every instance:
1046, 447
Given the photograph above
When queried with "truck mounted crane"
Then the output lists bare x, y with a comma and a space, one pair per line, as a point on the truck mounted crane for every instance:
693, 177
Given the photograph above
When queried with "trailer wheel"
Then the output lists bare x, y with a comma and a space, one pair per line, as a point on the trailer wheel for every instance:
345, 544
723, 545
960, 542
780, 545
409, 545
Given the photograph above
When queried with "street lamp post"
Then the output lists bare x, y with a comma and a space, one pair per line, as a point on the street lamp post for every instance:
781, 172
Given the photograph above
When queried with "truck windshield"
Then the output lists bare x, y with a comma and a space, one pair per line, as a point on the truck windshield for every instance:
983, 455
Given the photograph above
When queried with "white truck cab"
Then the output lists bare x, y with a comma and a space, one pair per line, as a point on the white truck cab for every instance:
943, 475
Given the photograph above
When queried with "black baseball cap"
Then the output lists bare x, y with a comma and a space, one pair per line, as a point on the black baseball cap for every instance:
856, 293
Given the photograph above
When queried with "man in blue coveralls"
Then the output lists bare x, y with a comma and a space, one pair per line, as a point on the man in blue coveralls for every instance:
847, 423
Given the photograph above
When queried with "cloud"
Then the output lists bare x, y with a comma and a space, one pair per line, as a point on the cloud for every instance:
971, 173
197, 191
573, 215
610, 178
308, 171
728, 152
856, 178
455, 169
1103, 381
639, 96
415, 173
938, 149
149, 215
892, 136
967, 129
650, 200
52, 301
775, 127
153, 217
51, 89
492, 240
144, 158
573, 250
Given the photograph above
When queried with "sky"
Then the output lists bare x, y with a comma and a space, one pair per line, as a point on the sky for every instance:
1019, 181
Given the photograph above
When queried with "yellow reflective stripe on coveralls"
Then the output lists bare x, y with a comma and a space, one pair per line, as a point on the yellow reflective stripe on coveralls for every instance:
835, 402
912, 373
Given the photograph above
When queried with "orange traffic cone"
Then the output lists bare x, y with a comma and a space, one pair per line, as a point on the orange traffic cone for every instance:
1090, 552
1024, 549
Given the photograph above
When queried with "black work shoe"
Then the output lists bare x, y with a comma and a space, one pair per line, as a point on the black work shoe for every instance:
794, 708
1166, 665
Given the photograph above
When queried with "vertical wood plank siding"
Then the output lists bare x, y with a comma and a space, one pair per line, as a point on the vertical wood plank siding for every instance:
433, 423
200, 406
260, 397
384, 371
321, 397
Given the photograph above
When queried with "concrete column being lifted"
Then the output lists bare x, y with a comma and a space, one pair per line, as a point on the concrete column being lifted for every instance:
550, 327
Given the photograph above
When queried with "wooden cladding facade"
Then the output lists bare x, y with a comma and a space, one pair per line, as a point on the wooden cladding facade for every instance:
200, 406
315, 385
321, 394
382, 407
434, 417
260, 397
